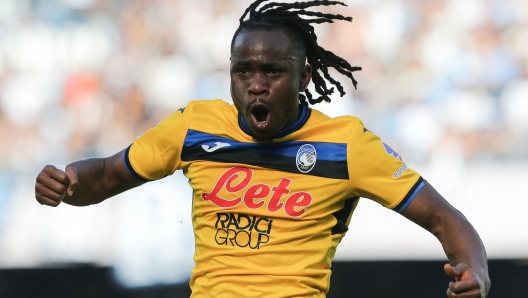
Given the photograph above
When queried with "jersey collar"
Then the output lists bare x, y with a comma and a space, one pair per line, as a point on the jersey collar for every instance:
305, 114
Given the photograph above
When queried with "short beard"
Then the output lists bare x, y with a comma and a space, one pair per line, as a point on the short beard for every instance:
263, 141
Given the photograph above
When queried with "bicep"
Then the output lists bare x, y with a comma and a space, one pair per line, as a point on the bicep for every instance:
429, 209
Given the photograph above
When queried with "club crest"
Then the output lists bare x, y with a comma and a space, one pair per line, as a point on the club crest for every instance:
306, 157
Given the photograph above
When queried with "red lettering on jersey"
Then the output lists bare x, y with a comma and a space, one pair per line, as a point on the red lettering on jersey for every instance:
278, 192
254, 196
257, 191
298, 199
226, 179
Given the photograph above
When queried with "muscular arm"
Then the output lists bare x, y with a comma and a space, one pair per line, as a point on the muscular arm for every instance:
459, 240
85, 182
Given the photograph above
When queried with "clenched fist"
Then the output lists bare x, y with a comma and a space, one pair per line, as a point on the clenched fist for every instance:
53, 184
467, 282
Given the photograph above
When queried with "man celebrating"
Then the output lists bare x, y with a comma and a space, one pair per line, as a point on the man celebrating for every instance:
275, 182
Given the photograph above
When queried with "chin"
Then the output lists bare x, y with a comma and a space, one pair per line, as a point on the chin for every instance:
263, 140
263, 137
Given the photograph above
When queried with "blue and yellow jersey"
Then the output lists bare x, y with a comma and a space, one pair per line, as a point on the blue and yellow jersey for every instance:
268, 217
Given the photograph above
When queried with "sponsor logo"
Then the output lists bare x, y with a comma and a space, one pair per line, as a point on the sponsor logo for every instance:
218, 146
242, 230
306, 157
258, 195
391, 151
403, 167
400, 171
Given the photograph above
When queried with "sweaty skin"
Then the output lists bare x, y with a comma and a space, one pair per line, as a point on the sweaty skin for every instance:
266, 78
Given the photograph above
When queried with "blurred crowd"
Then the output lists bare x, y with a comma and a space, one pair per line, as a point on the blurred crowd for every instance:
442, 81
82, 78
441, 78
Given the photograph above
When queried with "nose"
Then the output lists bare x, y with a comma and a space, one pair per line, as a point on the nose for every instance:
258, 85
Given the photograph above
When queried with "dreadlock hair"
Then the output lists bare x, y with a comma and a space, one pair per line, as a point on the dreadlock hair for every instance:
287, 18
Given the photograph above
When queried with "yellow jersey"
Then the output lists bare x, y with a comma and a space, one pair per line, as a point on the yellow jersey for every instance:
268, 217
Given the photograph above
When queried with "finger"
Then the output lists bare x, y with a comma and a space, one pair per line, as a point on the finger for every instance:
464, 286
57, 174
475, 293
43, 200
52, 184
451, 271
74, 180
60, 167
47, 201
460, 272
49, 193
464, 271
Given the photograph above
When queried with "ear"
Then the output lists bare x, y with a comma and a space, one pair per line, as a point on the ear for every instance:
306, 77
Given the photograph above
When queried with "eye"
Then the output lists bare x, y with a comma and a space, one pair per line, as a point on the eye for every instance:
274, 71
242, 71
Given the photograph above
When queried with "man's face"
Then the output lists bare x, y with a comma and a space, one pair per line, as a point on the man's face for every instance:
267, 75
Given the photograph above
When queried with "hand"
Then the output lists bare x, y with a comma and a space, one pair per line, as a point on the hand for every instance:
53, 184
467, 282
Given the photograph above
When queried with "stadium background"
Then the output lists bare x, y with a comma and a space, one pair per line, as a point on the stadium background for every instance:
445, 83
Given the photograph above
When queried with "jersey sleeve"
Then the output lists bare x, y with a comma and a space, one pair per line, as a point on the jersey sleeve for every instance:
157, 153
378, 173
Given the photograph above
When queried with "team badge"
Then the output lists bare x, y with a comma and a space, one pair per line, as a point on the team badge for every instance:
306, 157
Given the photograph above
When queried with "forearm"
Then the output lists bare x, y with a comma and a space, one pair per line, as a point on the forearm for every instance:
461, 242
91, 189
100, 179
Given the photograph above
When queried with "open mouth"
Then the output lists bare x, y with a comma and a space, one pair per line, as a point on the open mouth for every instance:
260, 113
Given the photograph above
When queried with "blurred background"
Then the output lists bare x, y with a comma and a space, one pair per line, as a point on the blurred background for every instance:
445, 83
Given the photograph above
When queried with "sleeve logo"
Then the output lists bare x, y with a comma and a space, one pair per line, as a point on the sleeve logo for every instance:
390, 151
306, 157
403, 166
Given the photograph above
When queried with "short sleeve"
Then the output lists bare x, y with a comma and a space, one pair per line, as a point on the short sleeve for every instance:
378, 172
157, 153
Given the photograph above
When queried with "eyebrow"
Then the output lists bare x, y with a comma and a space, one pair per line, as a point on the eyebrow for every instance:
265, 64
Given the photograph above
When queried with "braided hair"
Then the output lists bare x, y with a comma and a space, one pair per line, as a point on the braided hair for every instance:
287, 18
